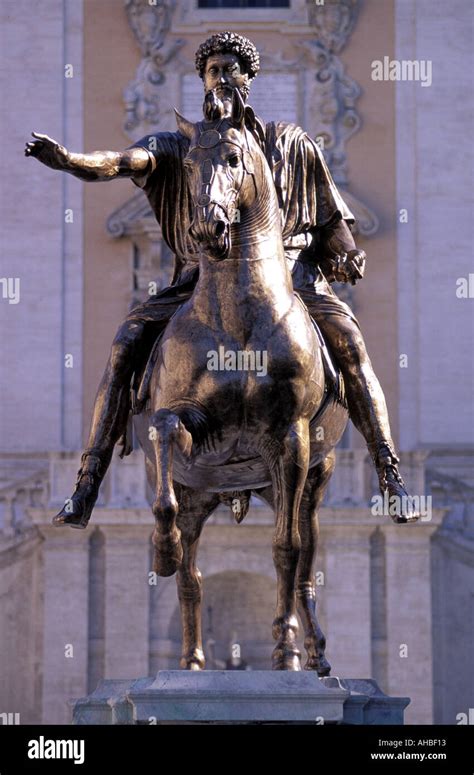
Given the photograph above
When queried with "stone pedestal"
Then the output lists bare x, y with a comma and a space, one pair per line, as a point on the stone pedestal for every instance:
126, 593
409, 616
226, 696
65, 562
347, 568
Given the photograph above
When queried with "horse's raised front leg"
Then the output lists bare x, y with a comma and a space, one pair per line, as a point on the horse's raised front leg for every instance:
169, 430
314, 640
288, 478
194, 508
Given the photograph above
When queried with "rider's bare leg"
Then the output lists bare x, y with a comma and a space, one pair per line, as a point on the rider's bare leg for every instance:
108, 424
367, 406
130, 347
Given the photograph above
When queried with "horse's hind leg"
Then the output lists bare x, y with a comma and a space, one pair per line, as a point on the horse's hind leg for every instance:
314, 641
194, 508
169, 430
288, 478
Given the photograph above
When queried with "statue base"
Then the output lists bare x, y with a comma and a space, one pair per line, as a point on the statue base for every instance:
233, 696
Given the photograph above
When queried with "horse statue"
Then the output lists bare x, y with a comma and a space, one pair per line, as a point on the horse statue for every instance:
213, 435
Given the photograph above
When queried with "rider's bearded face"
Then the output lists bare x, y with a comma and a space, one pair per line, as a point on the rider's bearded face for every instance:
223, 73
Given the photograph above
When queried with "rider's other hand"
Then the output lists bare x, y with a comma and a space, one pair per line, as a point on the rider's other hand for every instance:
338, 264
355, 265
47, 151
348, 267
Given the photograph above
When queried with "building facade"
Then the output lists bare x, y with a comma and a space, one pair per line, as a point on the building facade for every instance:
395, 602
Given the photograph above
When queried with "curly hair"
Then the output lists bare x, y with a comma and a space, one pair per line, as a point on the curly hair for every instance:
229, 43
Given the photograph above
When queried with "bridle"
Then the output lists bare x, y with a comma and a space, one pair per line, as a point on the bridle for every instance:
210, 138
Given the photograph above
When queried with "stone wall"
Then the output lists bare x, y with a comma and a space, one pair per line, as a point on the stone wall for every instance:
395, 604
42, 411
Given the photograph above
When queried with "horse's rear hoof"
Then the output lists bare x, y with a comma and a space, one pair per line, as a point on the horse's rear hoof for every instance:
320, 665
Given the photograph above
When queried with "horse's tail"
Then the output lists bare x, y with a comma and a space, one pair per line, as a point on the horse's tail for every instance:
167, 431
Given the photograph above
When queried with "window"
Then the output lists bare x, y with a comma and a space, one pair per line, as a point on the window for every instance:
243, 3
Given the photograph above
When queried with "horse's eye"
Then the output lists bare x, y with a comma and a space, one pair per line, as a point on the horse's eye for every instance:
234, 160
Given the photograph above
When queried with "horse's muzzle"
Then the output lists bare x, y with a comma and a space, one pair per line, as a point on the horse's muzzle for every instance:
213, 235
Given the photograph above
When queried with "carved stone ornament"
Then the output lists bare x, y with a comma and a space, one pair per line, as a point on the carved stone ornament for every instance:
367, 223
333, 22
150, 22
153, 261
331, 99
331, 96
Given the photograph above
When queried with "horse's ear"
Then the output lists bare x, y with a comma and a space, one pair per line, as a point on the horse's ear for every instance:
185, 127
238, 109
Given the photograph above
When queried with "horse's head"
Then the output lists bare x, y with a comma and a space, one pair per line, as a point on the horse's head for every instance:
221, 175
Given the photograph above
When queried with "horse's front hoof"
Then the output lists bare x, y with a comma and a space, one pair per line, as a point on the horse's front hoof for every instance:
286, 659
168, 554
193, 661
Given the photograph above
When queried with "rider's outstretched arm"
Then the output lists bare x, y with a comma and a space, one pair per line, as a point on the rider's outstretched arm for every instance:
95, 166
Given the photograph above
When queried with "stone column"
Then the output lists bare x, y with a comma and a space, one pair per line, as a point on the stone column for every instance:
409, 615
127, 565
345, 596
65, 625
348, 483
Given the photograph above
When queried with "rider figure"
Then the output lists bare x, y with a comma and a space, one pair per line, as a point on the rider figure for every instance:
318, 244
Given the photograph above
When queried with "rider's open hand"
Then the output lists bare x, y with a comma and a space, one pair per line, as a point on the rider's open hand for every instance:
47, 151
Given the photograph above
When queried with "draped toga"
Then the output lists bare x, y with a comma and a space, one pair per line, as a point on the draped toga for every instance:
307, 195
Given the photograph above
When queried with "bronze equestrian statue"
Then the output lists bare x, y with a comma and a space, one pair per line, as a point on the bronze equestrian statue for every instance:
236, 430
319, 248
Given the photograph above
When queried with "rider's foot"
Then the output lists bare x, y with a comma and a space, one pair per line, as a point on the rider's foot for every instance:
401, 507
77, 509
